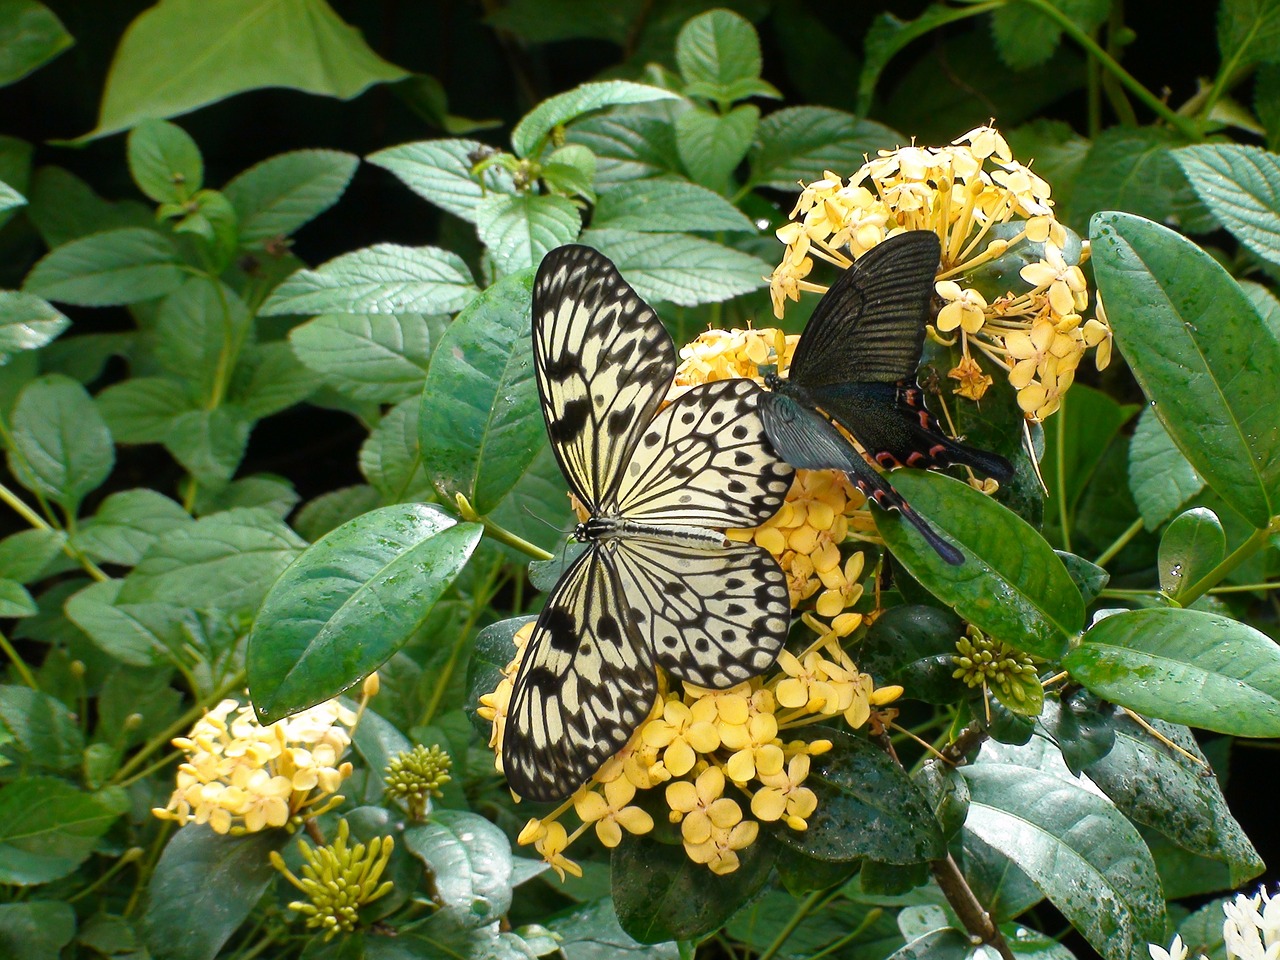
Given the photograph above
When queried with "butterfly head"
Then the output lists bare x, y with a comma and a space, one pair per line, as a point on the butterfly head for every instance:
772, 379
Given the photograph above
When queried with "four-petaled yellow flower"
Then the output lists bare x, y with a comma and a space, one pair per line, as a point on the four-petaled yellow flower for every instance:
784, 797
611, 813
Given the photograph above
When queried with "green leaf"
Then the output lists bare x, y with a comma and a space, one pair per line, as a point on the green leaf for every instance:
470, 860
204, 887
1133, 169
1193, 544
1248, 31
384, 278
15, 168
274, 494
799, 143
667, 206
106, 269
200, 330
1077, 848
1158, 788
164, 161
36, 929
10, 199
1025, 37
143, 409
27, 322
915, 646
127, 524
225, 562
331, 510
59, 446
25, 555
391, 459
1089, 578
382, 358
163, 68
558, 110
480, 425
519, 231
276, 197
439, 171
135, 634
1011, 584
45, 733
632, 143
1200, 352
718, 54
210, 444
350, 602
592, 932
1184, 666
30, 36
49, 827
868, 806
15, 601
1090, 421
684, 270
1241, 187
712, 145
661, 895
63, 208
1160, 478
270, 378
493, 649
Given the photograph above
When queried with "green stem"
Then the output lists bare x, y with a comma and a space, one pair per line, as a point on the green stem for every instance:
130, 855
1107, 555
499, 533
18, 664
872, 916
797, 918
479, 602
1183, 125
39, 523
1257, 540
1060, 468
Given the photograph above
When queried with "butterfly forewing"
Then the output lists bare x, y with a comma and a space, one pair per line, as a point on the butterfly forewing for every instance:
584, 684
603, 362
704, 461
712, 617
870, 325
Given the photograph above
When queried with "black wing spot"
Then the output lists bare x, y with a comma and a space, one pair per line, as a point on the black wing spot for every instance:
740, 432
569, 425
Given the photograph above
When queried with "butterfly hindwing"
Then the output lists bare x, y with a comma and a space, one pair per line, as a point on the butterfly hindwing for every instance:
869, 326
585, 683
704, 461
603, 362
712, 617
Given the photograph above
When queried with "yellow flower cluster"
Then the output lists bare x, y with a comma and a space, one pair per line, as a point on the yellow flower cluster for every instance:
697, 744
241, 777
982, 204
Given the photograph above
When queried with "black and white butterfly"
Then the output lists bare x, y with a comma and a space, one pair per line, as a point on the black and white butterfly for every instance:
856, 364
659, 581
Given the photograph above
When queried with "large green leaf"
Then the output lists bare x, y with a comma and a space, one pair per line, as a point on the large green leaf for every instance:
27, 322
1132, 169
136, 634
799, 143
1241, 187
382, 357
270, 378
126, 524
36, 929
350, 602
470, 862
163, 67
106, 269
711, 145
1011, 583
559, 110
868, 806
1201, 353
1077, 848
718, 52
667, 206
1248, 32
518, 231
204, 887
60, 446
199, 332
63, 208
210, 443
633, 143
143, 409
1184, 666
30, 36
480, 426
674, 266
384, 278
439, 171
49, 827
277, 196
1160, 478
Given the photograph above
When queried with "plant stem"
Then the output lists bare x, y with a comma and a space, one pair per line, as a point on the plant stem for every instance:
1257, 540
498, 533
872, 916
479, 602
19, 664
40, 523
1060, 468
1183, 125
972, 914
1107, 555
797, 918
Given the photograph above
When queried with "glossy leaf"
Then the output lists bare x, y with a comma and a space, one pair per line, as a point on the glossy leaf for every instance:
667, 206
470, 861
1086, 858
868, 806
106, 269
592, 932
493, 649
673, 266
480, 425
204, 887
1201, 353
519, 231
798, 143
439, 171
49, 827
164, 161
27, 322
276, 197
1089, 578
60, 446
384, 278
1011, 584
1193, 544
350, 602
162, 67
1160, 477
585, 98
383, 358
915, 646
1184, 666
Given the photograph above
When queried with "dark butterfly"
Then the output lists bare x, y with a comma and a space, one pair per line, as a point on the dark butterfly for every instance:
856, 365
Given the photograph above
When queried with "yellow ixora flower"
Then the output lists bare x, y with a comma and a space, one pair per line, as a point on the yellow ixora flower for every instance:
1007, 265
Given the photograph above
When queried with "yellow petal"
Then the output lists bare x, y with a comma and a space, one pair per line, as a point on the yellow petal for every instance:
768, 804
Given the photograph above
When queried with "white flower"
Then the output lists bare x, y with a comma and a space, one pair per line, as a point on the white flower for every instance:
1177, 950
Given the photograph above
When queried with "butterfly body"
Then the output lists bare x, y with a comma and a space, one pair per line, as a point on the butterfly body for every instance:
855, 366
659, 583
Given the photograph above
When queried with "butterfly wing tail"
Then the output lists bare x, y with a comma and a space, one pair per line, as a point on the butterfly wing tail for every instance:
984, 461
806, 440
